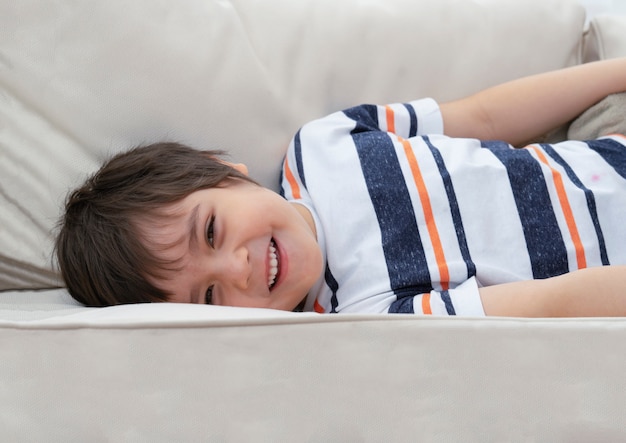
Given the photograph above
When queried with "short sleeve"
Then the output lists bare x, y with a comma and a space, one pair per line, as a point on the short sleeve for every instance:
416, 118
463, 300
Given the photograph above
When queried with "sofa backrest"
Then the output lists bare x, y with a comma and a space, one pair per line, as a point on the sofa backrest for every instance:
80, 81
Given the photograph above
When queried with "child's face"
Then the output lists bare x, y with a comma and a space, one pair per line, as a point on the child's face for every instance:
238, 244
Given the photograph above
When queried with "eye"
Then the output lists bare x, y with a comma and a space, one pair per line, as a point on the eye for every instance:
208, 298
209, 231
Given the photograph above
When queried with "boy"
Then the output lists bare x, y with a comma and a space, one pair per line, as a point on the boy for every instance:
383, 213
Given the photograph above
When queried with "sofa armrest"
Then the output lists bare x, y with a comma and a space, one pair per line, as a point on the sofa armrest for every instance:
605, 38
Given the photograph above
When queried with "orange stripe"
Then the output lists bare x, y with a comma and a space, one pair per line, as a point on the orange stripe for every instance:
567, 210
391, 120
295, 189
426, 304
444, 275
318, 308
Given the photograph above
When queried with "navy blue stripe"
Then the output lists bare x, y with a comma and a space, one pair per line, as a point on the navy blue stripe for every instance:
366, 117
281, 188
445, 296
454, 208
413, 117
401, 242
591, 200
546, 248
613, 152
402, 305
334, 287
298, 153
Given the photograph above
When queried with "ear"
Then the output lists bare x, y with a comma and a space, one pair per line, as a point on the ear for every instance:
240, 167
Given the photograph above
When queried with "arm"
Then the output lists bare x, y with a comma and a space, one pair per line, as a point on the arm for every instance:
521, 109
592, 292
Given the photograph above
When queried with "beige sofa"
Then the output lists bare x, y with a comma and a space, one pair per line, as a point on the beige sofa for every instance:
82, 80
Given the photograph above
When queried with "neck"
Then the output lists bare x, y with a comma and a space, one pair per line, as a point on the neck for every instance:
306, 214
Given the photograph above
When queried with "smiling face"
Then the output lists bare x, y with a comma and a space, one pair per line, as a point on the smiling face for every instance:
238, 244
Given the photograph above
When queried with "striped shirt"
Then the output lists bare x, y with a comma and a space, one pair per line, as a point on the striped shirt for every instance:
412, 221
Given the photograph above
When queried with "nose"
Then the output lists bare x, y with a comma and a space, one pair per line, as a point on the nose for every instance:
233, 268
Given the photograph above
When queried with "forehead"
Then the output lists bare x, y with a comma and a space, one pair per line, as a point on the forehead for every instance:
165, 231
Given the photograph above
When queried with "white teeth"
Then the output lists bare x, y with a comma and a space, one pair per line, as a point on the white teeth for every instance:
273, 262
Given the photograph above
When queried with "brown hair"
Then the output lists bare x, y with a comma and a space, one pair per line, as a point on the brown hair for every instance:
100, 255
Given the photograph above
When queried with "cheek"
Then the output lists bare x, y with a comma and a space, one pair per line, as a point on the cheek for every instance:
266, 208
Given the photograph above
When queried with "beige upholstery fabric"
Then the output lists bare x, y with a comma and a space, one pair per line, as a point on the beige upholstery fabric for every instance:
163, 373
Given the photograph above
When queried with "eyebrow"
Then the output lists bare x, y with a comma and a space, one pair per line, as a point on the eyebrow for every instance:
194, 241
192, 225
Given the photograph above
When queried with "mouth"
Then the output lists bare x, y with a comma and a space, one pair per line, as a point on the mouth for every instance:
273, 265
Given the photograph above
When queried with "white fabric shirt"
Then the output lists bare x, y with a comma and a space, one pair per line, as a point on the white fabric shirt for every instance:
410, 220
